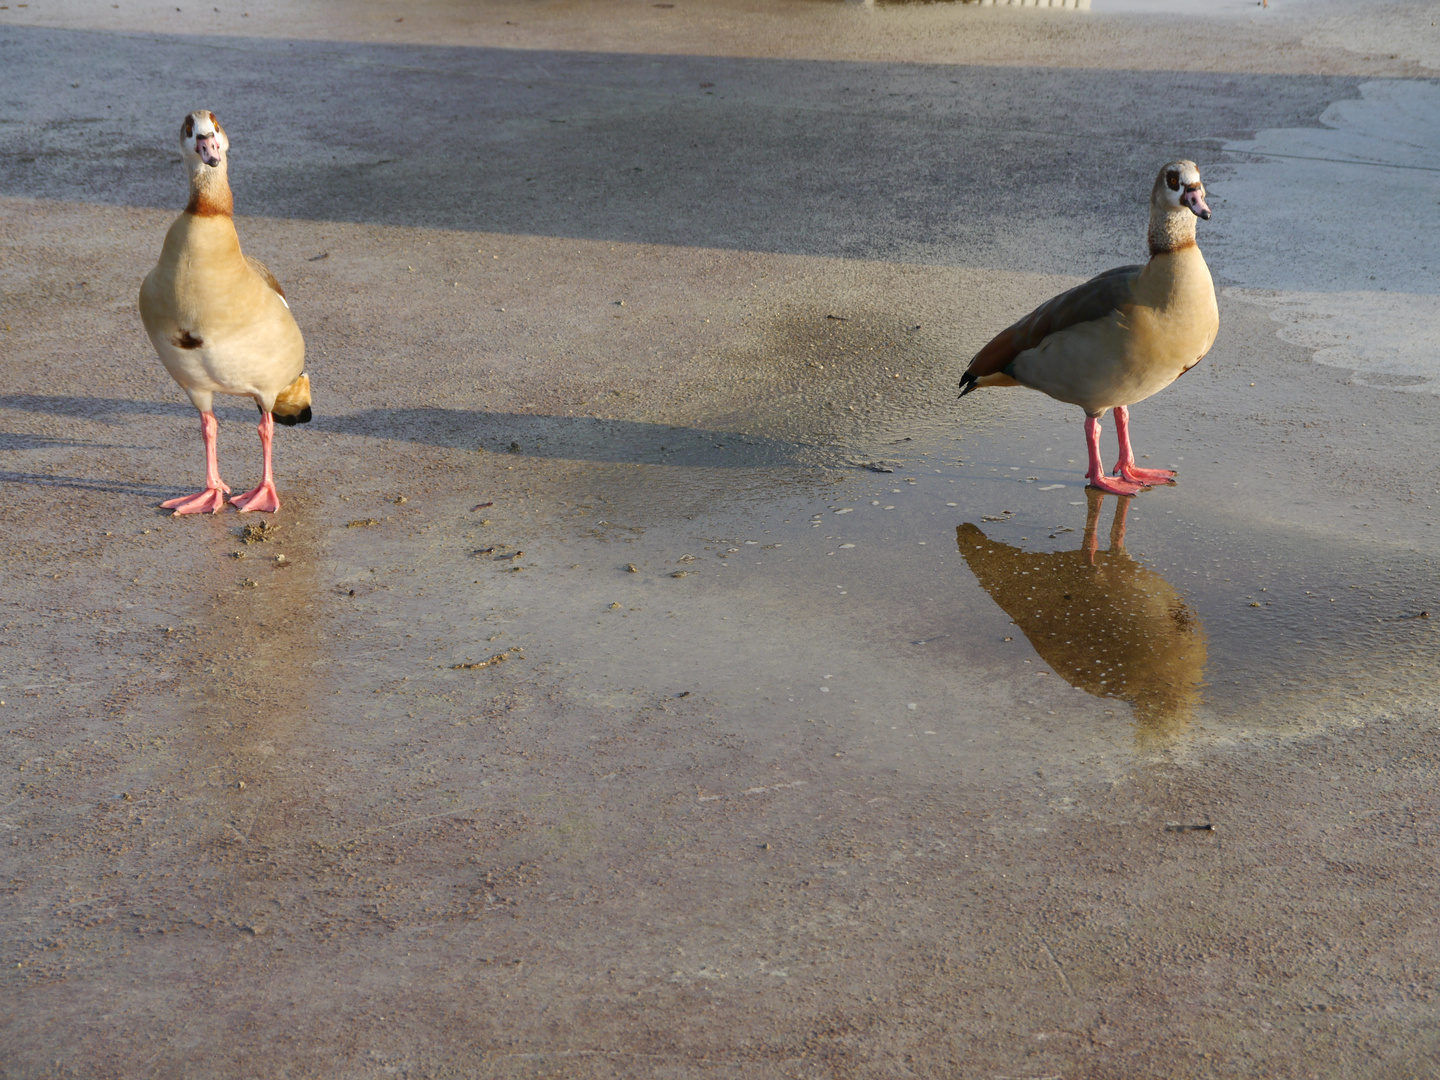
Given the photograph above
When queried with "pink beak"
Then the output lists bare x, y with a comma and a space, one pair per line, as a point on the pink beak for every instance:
208, 147
1194, 199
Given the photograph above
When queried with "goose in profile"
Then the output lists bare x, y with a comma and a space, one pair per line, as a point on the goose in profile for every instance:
220, 322
1119, 337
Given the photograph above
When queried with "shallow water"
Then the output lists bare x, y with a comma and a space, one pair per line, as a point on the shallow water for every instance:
794, 595
1243, 625
1355, 278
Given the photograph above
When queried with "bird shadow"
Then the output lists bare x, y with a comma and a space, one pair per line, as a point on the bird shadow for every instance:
102, 410
586, 438
19, 440
583, 438
85, 483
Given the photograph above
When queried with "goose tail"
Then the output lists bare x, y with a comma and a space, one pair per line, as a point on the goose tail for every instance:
292, 405
971, 381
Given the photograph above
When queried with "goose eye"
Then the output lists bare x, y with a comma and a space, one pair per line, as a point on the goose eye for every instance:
1172, 180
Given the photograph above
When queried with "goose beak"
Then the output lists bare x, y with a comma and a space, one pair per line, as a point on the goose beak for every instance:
1194, 198
208, 147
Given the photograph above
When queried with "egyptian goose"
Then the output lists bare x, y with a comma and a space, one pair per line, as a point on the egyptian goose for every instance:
1120, 337
220, 321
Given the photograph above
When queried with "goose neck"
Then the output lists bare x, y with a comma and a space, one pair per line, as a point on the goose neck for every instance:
1171, 230
210, 192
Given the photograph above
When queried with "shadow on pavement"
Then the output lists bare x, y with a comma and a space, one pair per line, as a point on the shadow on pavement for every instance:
578, 437
906, 162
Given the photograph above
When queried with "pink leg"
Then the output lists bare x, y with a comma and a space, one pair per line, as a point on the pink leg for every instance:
1125, 467
212, 499
1096, 475
263, 498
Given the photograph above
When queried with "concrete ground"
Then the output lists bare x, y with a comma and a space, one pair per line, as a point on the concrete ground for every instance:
613, 313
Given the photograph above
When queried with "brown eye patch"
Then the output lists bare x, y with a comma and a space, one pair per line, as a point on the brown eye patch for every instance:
188, 129
1172, 180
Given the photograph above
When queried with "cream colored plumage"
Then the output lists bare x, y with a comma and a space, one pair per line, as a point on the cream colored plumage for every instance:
219, 320
1119, 337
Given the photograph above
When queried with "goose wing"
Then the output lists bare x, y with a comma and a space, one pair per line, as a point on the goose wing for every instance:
266, 276
1093, 300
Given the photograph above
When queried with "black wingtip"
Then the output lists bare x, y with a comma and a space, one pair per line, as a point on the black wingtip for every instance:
302, 417
968, 383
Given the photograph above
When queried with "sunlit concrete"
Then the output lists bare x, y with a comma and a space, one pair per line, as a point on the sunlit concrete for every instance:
616, 324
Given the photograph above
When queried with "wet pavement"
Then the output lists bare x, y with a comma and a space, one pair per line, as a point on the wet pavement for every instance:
654, 670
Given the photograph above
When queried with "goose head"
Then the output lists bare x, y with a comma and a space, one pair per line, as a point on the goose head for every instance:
1178, 186
1176, 200
203, 142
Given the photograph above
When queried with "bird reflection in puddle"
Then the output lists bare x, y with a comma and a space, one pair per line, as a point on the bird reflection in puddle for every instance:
1101, 620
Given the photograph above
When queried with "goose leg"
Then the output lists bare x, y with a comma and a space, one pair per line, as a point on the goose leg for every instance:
264, 498
1096, 475
212, 499
1125, 468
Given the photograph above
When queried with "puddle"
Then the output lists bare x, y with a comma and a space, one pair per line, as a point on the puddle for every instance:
835, 604
1217, 619
1101, 620
1355, 280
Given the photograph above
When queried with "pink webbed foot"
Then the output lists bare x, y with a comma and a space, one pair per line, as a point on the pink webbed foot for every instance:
1096, 473
1101, 482
262, 500
1137, 475
212, 499
209, 501
1126, 468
